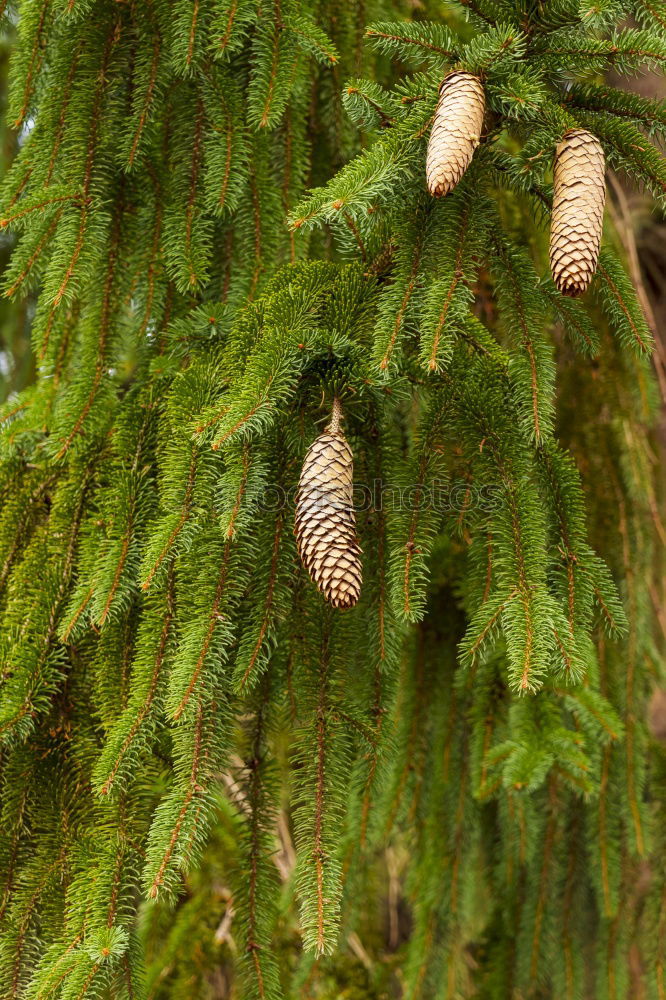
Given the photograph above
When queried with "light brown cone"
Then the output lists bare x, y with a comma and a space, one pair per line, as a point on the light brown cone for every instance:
579, 194
325, 521
456, 131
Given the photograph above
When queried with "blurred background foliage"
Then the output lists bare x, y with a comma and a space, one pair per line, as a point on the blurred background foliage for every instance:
17, 367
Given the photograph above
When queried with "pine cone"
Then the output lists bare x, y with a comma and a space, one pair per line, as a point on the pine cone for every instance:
325, 522
456, 131
579, 193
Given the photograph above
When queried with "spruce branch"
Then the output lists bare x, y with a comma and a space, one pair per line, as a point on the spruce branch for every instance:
416, 40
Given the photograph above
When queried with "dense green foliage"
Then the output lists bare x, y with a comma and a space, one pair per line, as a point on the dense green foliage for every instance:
212, 785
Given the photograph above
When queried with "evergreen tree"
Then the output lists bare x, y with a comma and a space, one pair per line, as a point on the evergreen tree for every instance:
213, 782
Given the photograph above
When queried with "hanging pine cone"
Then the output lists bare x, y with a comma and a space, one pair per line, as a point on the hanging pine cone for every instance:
456, 131
325, 522
579, 193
